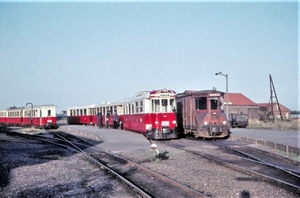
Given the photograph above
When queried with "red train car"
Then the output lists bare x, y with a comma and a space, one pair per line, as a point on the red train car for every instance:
201, 114
108, 109
81, 115
151, 113
87, 115
3, 117
42, 116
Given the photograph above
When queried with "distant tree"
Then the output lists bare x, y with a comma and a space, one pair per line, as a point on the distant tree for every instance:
295, 112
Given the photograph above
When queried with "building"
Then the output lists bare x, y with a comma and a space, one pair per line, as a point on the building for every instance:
265, 108
240, 104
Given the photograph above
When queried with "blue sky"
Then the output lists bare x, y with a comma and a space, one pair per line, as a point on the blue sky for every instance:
75, 53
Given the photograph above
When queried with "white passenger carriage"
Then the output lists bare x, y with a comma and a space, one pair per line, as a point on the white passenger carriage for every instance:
42, 116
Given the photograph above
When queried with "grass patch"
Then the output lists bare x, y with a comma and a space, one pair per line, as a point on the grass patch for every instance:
281, 125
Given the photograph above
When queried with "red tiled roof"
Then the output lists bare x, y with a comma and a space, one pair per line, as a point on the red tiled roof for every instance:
282, 108
239, 99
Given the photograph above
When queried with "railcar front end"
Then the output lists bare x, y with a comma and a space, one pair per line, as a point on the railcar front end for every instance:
151, 113
200, 114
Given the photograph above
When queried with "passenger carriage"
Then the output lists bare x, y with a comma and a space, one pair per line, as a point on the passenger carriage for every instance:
3, 117
111, 108
81, 115
201, 114
15, 116
151, 113
43, 116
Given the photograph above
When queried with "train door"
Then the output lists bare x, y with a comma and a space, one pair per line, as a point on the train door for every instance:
21, 116
179, 117
41, 118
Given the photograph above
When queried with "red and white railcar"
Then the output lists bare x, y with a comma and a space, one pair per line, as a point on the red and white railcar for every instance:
87, 115
3, 117
151, 113
108, 107
15, 116
43, 116
81, 115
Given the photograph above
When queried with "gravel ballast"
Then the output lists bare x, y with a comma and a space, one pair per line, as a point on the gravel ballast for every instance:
71, 175
30, 169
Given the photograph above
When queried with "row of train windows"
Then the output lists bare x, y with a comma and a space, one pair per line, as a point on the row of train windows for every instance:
14, 114
201, 103
2, 114
157, 106
81, 112
26, 113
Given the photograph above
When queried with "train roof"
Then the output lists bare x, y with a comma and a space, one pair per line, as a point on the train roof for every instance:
108, 104
194, 92
82, 106
28, 107
148, 94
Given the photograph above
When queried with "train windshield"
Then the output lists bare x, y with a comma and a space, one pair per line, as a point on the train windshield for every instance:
163, 105
201, 103
214, 103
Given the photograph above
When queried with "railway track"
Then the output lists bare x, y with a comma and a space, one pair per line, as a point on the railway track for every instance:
260, 164
143, 181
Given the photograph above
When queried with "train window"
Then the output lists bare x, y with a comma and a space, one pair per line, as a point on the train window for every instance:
84, 111
172, 104
141, 106
132, 108
164, 103
222, 103
201, 103
155, 105
49, 112
136, 107
214, 103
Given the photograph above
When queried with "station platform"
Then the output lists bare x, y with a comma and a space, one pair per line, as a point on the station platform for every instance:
116, 140
286, 141
113, 140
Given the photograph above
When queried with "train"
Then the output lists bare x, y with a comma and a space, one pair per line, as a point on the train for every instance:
201, 114
151, 113
162, 114
158, 114
40, 116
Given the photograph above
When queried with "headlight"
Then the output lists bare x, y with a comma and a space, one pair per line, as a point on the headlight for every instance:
205, 123
156, 122
224, 122
174, 121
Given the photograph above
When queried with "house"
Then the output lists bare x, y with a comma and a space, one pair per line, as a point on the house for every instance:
265, 108
240, 104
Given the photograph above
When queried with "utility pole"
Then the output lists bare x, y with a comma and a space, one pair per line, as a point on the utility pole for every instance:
226, 76
29, 103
